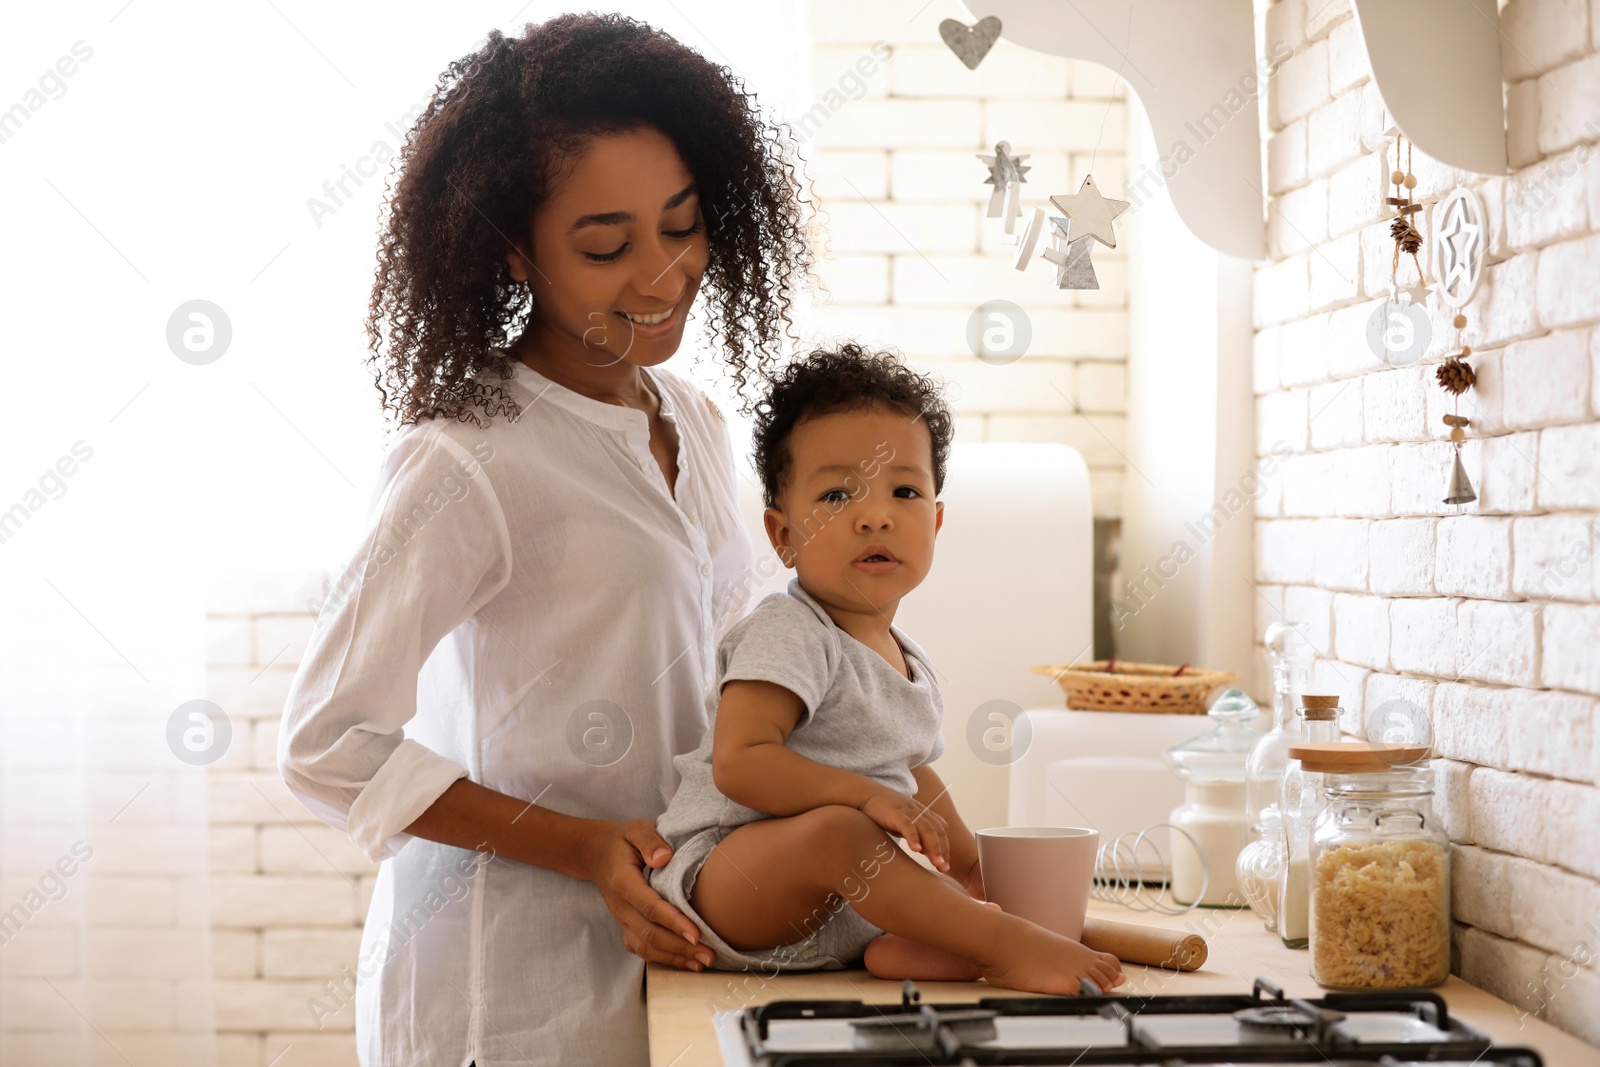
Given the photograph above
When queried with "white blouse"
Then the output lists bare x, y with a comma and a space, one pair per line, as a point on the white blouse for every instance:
529, 608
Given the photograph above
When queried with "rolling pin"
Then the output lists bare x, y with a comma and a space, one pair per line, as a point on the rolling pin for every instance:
1147, 945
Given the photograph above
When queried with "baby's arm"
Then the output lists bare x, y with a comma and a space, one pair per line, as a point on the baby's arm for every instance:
934, 794
751, 765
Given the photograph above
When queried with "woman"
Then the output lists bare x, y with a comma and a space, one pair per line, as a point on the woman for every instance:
496, 687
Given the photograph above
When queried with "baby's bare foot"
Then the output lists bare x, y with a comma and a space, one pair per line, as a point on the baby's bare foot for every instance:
1037, 961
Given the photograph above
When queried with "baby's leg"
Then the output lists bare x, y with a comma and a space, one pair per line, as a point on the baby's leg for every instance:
770, 883
896, 957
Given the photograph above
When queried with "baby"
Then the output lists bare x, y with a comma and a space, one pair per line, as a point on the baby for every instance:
824, 718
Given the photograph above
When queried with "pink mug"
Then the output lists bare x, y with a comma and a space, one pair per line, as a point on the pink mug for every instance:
1041, 873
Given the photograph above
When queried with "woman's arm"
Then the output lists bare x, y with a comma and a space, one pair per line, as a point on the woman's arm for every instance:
751, 765
343, 750
612, 855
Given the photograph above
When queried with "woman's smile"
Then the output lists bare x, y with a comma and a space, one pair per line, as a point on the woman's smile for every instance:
657, 324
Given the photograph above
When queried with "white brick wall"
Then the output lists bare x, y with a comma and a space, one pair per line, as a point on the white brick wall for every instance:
911, 253
1485, 615
288, 893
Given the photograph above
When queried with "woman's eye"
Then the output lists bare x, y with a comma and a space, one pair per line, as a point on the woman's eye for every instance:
680, 235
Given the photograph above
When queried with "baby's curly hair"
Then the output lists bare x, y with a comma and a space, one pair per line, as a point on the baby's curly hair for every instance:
850, 378
503, 124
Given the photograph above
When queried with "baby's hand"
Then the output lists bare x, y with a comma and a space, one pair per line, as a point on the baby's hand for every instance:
923, 828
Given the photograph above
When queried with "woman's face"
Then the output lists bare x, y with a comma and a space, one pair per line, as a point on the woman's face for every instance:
621, 236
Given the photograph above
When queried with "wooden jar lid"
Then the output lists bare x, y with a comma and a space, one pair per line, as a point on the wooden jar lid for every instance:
1352, 757
1319, 708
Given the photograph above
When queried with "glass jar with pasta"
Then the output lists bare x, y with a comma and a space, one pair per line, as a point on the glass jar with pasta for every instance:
1380, 869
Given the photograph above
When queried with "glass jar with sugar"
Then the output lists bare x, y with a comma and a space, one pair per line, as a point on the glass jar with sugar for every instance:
1211, 827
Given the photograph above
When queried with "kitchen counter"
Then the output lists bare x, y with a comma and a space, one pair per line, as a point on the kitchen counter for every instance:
680, 1003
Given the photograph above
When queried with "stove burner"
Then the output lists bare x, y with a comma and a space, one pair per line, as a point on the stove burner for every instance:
919, 1032
1278, 1019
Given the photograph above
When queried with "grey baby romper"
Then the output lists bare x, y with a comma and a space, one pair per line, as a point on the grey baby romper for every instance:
860, 715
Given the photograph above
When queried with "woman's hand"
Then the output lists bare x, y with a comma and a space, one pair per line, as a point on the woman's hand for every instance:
615, 859
922, 827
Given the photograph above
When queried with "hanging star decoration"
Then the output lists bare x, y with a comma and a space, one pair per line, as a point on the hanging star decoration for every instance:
1091, 213
1006, 175
1459, 232
1086, 217
1417, 293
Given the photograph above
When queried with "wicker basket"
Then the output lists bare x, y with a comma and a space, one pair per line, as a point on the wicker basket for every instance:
1148, 687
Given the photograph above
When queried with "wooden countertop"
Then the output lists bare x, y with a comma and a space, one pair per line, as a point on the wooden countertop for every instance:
681, 1003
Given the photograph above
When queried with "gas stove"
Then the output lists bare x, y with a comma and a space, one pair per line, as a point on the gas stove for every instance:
1261, 1027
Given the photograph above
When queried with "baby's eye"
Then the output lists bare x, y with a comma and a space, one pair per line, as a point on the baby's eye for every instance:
831, 493
910, 489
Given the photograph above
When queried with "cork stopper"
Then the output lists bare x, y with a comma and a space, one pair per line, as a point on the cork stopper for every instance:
1319, 708
1355, 757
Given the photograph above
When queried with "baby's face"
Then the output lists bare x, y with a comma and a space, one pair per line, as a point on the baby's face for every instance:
860, 485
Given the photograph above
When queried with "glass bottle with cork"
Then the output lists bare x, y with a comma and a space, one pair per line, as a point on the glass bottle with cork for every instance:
1299, 800
1260, 866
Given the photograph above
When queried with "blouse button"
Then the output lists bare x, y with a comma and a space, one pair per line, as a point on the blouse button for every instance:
705, 568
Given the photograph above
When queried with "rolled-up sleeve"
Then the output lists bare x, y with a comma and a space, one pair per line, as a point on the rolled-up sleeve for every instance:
435, 550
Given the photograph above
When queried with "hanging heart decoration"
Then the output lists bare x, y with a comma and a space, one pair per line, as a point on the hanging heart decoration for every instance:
970, 43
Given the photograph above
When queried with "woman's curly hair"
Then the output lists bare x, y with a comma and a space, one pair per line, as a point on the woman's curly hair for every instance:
847, 379
500, 132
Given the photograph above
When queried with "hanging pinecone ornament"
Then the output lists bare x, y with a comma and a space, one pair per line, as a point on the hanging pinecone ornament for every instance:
1407, 238
1455, 375
1404, 231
